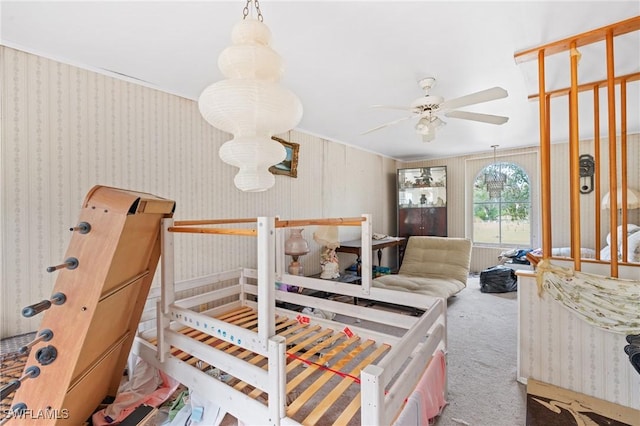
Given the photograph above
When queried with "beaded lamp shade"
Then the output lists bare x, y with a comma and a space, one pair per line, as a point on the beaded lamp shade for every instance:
494, 179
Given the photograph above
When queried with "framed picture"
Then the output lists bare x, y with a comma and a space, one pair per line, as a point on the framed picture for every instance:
288, 166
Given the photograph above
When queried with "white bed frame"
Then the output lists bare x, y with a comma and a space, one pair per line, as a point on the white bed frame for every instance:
384, 386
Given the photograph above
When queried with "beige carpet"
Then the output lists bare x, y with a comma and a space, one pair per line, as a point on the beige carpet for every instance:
483, 390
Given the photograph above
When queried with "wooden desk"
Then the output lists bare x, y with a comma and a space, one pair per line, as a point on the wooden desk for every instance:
355, 246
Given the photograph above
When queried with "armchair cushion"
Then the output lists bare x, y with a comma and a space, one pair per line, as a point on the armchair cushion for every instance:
434, 266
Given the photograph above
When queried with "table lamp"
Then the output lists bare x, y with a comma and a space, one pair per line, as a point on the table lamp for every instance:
328, 237
296, 246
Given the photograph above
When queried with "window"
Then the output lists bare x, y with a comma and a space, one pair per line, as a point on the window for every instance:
504, 219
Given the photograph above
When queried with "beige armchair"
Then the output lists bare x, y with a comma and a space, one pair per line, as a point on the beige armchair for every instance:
434, 266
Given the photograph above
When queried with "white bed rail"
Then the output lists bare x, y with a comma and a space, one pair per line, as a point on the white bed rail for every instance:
396, 373
379, 405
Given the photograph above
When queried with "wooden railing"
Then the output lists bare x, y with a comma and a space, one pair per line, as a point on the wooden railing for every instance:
570, 45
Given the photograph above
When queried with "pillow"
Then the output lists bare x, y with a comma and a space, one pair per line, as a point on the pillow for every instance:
631, 229
633, 247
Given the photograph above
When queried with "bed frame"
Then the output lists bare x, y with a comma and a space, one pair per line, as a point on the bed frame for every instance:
279, 365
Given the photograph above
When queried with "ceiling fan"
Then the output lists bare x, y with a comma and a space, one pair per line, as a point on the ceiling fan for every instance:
429, 106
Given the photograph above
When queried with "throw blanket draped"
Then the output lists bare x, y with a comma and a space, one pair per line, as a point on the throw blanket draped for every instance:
605, 302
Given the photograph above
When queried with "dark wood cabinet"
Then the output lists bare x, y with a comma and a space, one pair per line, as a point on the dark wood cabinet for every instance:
422, 201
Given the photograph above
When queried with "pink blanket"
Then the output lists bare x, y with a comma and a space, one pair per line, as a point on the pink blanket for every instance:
427, 400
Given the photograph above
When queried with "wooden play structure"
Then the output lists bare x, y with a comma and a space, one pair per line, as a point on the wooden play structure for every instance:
89, 324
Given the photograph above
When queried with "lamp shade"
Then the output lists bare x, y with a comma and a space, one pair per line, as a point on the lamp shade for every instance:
633, 199
296, 245
327, 236
251, 105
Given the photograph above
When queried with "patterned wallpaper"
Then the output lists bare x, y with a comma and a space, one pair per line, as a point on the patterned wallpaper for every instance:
65, 129
558, 347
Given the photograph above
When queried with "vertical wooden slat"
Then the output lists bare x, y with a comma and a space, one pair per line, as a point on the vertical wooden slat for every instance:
623, 166
596, 155
545, 161
574, 155
613, 168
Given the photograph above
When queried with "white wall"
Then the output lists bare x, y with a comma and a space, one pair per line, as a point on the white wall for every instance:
65, 129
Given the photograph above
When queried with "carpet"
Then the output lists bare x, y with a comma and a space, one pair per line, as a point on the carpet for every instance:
482, 332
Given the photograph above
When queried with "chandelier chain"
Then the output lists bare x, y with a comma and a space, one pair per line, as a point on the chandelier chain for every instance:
256, 4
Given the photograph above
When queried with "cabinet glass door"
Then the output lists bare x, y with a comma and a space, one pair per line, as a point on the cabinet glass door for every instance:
422, 201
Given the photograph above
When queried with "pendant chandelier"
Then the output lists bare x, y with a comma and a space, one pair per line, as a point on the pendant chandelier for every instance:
250, 104
494, 179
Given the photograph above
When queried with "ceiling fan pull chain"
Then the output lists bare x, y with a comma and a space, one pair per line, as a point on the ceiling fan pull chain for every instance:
256, 4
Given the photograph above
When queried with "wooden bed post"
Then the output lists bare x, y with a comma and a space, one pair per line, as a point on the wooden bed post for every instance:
280, 256
277, 379
366, 254
372, 395
266, 279
167, 273
167, 284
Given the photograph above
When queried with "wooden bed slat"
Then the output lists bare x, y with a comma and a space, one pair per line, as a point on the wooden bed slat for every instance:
258, 358
257, 392
243, 309
349, 412
325, 377
337, 391
312, 351
316, 355
297, 380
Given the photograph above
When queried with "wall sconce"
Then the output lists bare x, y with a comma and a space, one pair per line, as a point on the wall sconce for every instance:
587, 169
296, 246
251, 104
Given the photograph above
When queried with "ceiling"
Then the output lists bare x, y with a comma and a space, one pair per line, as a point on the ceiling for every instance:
341, 57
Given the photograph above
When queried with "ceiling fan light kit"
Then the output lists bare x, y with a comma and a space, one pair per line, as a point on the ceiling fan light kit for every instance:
428, 107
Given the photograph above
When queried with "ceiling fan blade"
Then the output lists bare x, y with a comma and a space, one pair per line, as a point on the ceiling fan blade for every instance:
474, 98
391, 123
402, 108
475, 116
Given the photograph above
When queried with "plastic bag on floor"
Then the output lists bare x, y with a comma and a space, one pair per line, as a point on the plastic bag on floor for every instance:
498, 279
